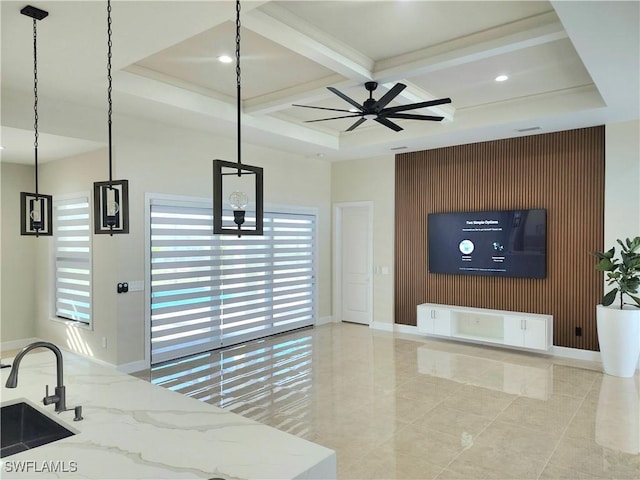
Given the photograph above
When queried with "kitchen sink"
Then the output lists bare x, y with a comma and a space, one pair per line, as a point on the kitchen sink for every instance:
24, 427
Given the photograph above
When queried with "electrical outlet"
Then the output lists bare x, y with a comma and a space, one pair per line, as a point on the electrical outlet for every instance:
578, 331
104, 342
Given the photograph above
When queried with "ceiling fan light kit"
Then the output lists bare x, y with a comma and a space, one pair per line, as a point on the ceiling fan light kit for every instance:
377, 110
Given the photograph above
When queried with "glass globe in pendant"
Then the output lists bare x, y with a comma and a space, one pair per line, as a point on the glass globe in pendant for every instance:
238, 200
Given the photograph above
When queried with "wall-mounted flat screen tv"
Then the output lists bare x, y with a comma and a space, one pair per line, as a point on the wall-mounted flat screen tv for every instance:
503, 243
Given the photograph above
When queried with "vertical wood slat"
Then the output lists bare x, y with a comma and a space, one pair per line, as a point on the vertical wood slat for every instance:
562, 172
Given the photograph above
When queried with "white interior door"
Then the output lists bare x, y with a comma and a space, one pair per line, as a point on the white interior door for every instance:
356, 268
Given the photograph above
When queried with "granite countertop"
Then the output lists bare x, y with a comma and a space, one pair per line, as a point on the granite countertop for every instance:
135, 430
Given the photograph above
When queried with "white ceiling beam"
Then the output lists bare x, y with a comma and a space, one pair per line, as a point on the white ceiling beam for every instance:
415, 94
279, 25
512, 37
304, 93
200, 103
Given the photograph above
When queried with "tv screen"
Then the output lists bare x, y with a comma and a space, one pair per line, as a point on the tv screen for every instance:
506, 243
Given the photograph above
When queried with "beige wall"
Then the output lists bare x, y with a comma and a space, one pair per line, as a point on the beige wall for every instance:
18, 269
372, 179
157, 159
622, 180
72, 176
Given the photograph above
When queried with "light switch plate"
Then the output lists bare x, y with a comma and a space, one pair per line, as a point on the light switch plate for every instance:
136, 286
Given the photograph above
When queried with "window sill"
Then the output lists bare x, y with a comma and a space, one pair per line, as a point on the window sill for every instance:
72, 323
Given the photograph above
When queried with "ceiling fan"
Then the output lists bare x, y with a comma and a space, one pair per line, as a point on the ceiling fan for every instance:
373, 109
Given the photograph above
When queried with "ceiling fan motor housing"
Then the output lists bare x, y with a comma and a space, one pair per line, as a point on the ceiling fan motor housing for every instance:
371, 86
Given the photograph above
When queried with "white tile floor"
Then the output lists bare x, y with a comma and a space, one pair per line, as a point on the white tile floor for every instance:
401, 406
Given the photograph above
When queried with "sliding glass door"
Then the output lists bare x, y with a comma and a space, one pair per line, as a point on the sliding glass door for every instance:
213, 291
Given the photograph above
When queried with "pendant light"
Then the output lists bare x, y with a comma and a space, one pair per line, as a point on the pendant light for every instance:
35, 208
110, 198
240, 184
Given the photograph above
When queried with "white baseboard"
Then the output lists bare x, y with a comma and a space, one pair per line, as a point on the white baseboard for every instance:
17, 344
132, 367
564, 352
387, 327
410, 329
325, 320
579, 354
576, 354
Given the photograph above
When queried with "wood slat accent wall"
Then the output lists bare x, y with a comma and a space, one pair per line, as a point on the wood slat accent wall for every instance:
562, 172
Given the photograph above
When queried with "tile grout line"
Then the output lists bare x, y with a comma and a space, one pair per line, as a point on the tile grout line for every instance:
480, 432
566, 429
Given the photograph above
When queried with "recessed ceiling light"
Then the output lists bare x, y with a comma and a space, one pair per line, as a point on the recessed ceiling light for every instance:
501, 78
225, 59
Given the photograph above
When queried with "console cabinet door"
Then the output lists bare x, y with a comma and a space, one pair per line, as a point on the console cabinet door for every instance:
425, 322
514, 331
441, 322
535, 333
436, 321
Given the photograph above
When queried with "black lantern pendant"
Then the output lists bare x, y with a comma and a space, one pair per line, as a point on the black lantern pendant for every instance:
240, 187
35, 208
110, 198
237, 188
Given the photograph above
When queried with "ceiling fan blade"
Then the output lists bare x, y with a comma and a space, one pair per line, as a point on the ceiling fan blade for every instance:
413, 116
390, 95
345, 98
356, 125
411, 106
322, 108
333, 118
388, 123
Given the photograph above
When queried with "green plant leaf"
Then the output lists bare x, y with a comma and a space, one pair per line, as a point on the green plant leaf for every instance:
635, 299
622, 273
610, 297
605, 265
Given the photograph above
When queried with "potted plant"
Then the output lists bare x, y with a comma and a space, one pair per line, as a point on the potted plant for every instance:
619, 325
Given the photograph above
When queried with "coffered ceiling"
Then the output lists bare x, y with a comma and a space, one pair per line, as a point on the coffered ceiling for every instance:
570, 65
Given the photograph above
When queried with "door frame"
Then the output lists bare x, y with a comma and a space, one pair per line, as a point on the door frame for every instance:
337, 256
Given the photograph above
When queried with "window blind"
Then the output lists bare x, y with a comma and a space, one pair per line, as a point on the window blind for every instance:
211, 291
72, 230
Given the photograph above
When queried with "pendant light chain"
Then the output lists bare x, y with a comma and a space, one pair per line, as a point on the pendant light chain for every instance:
109, 89
35, 101
238, 100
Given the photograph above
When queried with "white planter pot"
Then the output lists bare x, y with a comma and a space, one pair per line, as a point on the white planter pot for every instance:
619, 337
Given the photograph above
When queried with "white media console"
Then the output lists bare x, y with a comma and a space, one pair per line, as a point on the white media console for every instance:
529, 331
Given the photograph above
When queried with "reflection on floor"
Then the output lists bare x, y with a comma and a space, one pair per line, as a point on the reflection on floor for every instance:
400, 406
